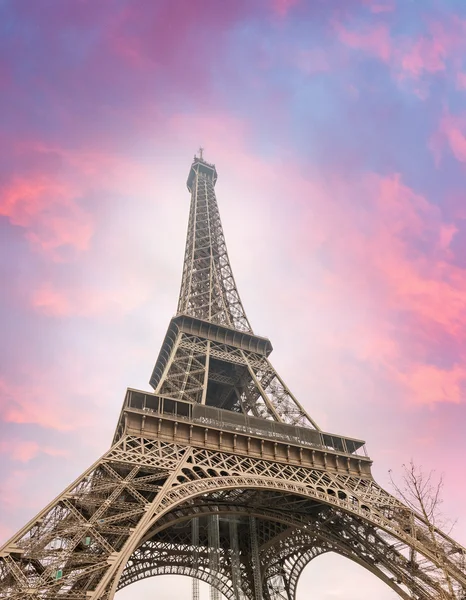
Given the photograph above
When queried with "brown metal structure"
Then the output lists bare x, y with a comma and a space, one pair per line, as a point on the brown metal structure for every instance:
220, 474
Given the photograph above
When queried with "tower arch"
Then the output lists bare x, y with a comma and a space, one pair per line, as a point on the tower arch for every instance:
356, 537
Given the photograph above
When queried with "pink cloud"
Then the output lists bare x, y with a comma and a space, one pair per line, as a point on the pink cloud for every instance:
429, 286
376, 231
39, 403
51, 302
455, 132
451, 132
425, 54
47, 209
25, 450
443, 46
138, 47
46, 195
282, 7
429, 384
373, 40
55, 301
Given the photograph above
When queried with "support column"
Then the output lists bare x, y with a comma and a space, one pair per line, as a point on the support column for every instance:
214, 544
235, 559
195, 536
255, 560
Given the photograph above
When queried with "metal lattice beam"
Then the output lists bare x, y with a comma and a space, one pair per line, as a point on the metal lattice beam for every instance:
82, 542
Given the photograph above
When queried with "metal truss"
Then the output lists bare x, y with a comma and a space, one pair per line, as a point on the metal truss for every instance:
221, 475
208, 288
218, 374
92, 538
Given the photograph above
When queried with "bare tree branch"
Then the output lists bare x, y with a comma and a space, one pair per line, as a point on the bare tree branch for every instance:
421, 492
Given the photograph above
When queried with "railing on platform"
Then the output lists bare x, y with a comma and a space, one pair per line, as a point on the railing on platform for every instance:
241, 423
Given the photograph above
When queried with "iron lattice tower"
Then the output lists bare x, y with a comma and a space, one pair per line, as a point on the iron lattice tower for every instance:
220, 473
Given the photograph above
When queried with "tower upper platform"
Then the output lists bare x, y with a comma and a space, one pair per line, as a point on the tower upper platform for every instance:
200, 166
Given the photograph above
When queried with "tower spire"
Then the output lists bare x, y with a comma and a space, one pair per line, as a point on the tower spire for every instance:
208, 289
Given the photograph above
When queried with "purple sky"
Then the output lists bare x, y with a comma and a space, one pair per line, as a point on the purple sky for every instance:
338, 128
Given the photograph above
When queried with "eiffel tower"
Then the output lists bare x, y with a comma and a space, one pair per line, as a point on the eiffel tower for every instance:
220, 474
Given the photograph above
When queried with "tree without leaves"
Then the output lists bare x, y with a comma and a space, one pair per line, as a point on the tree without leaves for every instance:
422, 493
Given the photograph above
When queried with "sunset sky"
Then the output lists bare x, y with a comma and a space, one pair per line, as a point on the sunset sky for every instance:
338, 128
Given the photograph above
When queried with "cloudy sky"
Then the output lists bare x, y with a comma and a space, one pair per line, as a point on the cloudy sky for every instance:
338, 128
